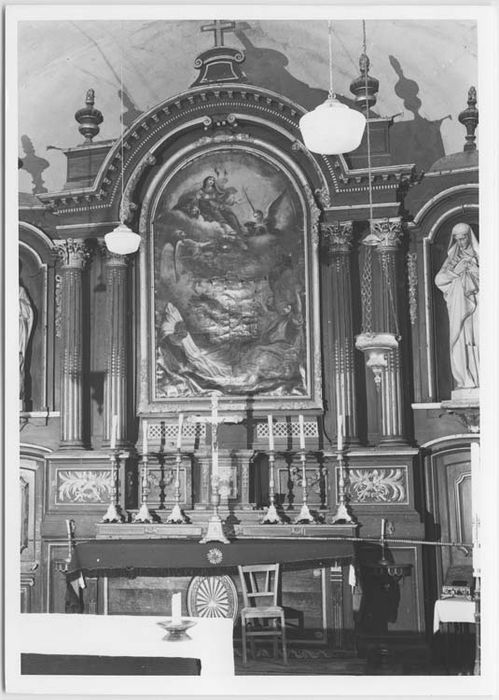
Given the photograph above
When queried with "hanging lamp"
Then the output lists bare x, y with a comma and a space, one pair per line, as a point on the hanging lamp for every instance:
332, 127
122, 240
376, 346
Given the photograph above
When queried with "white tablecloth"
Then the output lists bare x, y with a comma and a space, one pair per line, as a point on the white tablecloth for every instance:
129, 635
452, 610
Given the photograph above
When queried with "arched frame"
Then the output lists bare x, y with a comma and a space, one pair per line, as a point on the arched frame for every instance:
249, 150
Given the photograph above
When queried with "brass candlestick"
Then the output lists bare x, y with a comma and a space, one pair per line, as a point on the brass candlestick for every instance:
113, 514
144, 515
305, 514
271, 516
342, 513
177, 517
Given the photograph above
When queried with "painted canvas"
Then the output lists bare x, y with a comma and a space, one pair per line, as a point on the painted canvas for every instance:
230, 279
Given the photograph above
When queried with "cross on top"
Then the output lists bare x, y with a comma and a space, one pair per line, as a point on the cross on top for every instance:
218, 28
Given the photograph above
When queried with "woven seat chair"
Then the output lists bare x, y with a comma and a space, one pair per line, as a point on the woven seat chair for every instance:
261, 615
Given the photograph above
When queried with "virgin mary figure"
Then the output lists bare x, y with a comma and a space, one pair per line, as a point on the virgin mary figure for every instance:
458, 280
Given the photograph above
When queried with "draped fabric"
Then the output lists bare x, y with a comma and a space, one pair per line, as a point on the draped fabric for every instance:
177, 557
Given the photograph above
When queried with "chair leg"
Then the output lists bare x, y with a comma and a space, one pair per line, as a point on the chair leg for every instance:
243, 635
283, 636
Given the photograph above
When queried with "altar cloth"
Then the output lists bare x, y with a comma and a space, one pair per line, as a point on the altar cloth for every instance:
210, 639
182, 557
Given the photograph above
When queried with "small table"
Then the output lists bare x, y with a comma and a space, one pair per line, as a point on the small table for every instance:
128, 636
453, 610
454, 645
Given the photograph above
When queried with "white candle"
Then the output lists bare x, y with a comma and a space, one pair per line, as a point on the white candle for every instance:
302, 432
179, 433
475, 502
144, 437
214, 433
382, 528
271, 433
340, 432
114, 431
176, 608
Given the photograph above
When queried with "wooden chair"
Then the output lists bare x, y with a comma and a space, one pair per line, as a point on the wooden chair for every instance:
261, 616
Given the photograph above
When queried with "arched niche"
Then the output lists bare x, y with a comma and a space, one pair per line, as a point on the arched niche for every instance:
231, 302
36, 265
439, 244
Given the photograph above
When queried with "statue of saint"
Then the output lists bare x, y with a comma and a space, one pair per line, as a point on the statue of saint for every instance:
458, 280
26, 319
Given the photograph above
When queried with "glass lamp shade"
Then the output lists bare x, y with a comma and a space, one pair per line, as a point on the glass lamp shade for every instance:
332, 128
122, 240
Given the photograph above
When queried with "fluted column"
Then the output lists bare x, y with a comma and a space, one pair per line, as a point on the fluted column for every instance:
115, 388
389, 235
73, 255
337, 238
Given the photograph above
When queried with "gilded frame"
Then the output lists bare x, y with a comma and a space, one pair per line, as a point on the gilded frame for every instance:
229, 147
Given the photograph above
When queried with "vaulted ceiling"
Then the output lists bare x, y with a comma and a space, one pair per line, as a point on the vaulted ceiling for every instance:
424, 68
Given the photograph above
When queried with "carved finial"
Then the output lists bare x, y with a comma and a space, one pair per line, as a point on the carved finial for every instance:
89, 118
364, 87
469, 118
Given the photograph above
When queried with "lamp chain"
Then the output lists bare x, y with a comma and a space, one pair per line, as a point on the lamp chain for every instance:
331, 95
122, 217
368, 132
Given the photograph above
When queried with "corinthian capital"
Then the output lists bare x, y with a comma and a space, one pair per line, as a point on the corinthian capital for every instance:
386, 234
73, 252
337, 236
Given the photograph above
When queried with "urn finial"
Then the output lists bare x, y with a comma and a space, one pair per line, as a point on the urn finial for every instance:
89, 118
364, 87
469, 118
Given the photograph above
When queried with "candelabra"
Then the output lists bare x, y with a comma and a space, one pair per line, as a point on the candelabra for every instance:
113, 514
177, 517
305, 516
144, 515
271, 516
342, 513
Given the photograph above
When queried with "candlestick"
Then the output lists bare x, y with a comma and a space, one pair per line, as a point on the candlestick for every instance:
271, 433
114, 431
143, 515
176, 608
179, 431
144, 437
302, 432
177, 517
342, 513
112, 514
340, 432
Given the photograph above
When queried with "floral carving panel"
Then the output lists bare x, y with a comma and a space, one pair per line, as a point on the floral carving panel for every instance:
83, 486
373, 485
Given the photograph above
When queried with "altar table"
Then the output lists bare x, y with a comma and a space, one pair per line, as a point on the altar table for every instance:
170, 557
128, 635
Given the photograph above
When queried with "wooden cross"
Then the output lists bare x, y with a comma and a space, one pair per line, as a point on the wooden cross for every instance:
218, 28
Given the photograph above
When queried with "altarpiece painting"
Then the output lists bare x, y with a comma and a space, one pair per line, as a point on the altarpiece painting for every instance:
230, 280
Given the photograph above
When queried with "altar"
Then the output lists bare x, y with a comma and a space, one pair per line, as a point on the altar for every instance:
63, 639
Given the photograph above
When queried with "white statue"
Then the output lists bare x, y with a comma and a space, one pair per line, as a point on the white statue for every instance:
458, 279
26, 319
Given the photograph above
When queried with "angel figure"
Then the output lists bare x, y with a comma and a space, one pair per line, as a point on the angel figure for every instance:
264, 224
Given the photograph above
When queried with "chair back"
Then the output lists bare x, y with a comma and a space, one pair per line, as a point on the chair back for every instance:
260, 584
